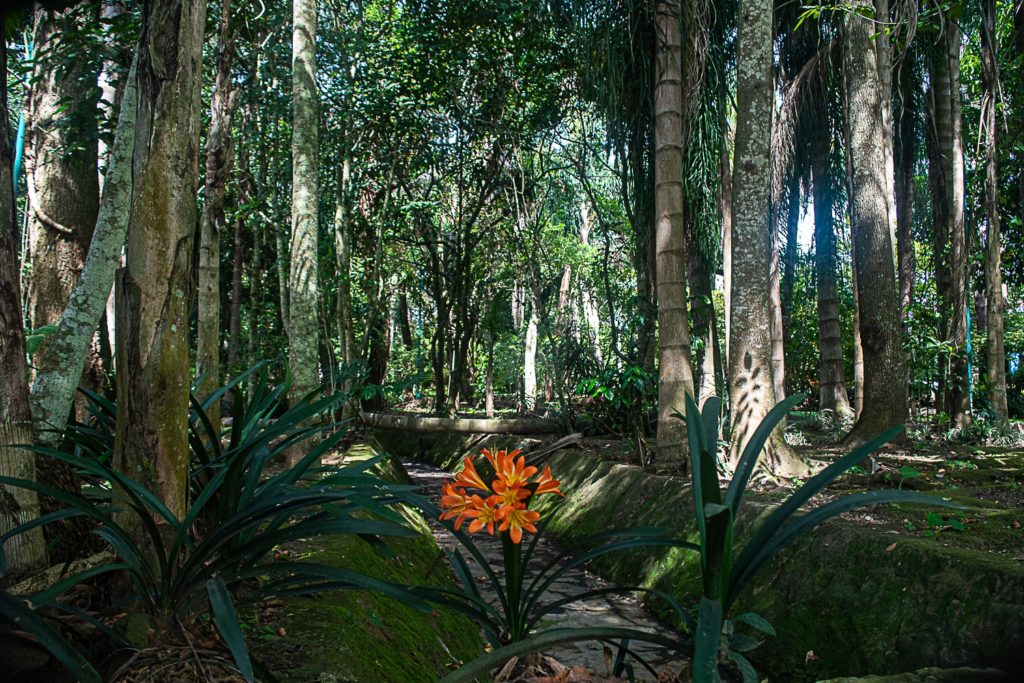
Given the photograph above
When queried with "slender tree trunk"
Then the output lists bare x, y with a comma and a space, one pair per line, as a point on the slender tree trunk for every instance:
777, 330
303, 359
530, 356
752, 393
25, 552
219, 158
885, 389
343, 255
725, 210
883, 56
489, 388
63, 185
110, 84
235, 310
789, 269
53, 391
675, 376
403, 318
832, 393
154, 287
703, 311
995, 352
905, 158
588, 301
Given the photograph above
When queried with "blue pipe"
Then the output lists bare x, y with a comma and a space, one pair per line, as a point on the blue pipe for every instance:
19, 140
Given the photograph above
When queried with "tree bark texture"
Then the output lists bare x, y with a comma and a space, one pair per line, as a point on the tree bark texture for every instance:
219, 158
946, 175
530, 355
675, 375
995, 351
832, 394
751, 390
63, 184
25, 552
905, 153
154, 288
303, 360
61, 366
885, 388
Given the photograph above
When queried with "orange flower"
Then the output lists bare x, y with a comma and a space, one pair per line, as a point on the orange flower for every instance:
469, 478
546, 484
484, 513
515, 520
510, 495
515, 474
457, 504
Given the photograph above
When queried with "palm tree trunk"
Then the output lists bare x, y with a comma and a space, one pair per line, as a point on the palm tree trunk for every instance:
885, 389
675, 376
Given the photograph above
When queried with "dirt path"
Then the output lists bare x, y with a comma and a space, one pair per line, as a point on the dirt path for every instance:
616, 610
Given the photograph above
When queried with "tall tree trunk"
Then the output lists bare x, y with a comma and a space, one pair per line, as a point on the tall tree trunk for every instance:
675, 376
63, 184
489, 380
883, 55
789, 265
235, 310
61, 367
703, 310
946, 171
403, 318
905, 153
885, 389
25, 552
725, 211
832, 393
752, 393
219, 157
588, 302
154, 287
995, 352
303, 359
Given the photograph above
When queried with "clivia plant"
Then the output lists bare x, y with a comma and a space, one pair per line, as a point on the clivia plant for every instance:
500, 506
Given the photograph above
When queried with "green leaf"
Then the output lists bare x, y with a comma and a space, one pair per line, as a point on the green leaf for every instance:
909, 472
705, 646
226, 618
18, 612
755, 621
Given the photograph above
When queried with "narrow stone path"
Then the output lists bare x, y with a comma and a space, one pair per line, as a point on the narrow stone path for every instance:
614, 610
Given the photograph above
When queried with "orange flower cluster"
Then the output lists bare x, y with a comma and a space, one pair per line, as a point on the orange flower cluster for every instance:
504, 502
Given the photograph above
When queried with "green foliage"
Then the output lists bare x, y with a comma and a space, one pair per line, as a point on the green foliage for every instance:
221, 553
726, 570
621, 397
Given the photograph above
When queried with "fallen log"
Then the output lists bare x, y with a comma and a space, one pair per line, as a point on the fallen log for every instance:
468, 425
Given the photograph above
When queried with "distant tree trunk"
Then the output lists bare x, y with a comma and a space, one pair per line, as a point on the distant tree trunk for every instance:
591, 316
995, 353
63, 184
752, 393
946, 171
235, 310
885, 389
154, 287
725, 210
61, 367
110, 83
777, 327
219, 158
25, 552
675, 376
703, 309
489, 388
403, 318
343, 257
303, 358
832, 393
530, 356
789, 267
905, 153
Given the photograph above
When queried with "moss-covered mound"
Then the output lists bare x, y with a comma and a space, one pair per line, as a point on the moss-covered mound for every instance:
854, 597
364, 636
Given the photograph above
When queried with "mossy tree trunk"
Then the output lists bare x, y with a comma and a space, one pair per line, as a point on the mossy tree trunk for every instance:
154, 288
885, 390
675, 375
751, 389
303, 358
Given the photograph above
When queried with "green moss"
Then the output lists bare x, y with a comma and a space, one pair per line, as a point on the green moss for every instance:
364, 636
848, 599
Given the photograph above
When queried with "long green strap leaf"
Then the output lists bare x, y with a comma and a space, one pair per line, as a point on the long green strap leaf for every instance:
226, 618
